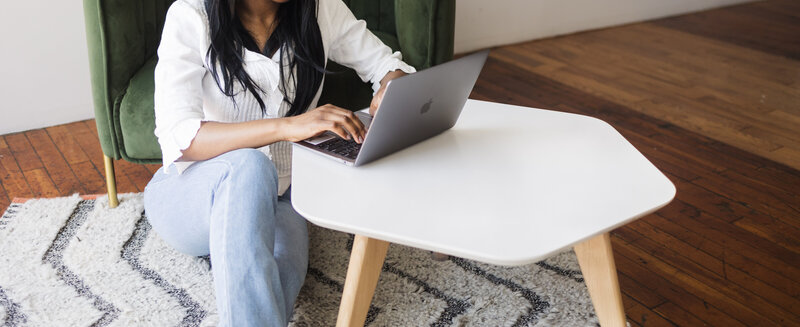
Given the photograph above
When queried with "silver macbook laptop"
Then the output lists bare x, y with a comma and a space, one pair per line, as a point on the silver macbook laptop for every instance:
415, 107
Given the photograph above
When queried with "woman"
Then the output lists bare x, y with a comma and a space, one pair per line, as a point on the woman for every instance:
234, 82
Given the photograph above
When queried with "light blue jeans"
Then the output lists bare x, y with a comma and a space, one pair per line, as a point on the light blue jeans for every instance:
228, 207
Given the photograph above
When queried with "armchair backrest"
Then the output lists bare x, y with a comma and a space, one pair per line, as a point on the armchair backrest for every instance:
121, 35
424, 28
379, 14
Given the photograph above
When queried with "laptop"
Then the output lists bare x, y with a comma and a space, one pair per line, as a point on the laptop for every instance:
415, 108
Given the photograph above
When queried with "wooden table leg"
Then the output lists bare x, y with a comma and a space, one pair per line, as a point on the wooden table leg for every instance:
600, 273
366, 260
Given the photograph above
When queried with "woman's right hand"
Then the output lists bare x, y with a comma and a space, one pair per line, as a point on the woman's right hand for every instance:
340, 121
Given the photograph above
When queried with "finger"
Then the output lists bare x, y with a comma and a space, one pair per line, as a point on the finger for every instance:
345, 121
351, 118
338, 110
337, 129
330, 109
362, 130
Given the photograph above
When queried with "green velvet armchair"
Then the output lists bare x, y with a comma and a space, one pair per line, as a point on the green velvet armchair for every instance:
123, 36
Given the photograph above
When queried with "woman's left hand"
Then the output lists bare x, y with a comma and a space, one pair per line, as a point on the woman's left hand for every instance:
378, 97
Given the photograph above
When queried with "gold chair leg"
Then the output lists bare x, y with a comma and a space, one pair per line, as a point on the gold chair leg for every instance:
111, 182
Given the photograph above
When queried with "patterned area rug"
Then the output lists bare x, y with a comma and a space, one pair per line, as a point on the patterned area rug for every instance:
75, 262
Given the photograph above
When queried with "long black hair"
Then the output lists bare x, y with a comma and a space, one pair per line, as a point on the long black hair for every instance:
297, 35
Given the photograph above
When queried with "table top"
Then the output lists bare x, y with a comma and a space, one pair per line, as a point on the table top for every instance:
506, 185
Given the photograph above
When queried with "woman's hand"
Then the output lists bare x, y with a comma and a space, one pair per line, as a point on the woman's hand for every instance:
378, 97
325, 118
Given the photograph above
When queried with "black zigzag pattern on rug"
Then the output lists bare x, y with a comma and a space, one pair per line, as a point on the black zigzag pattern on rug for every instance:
14, 316
455, 307
192, 311
54, 256
538, 305
130, 252
317, 274
10, 213
573, 274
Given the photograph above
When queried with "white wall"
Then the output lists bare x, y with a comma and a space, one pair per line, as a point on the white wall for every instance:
44, 65
486, 23
45, 71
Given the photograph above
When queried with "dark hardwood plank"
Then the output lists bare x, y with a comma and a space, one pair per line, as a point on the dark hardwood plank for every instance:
11, 176
640, 315
670, 75
652, 233
631, 264
679, 316
640, 293
633, 323
4, 203
4, 199
91, 178
689, 284
681, 163
730, 258
627, 234
65, 141
733, 238
137, 173
774, 230
761, 299
41, 184
775, 204
23, 152
54, 163
736, 24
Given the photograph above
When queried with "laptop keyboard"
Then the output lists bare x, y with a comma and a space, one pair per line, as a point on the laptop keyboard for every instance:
342, 147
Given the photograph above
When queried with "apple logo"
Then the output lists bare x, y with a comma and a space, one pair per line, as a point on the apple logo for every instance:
425, 107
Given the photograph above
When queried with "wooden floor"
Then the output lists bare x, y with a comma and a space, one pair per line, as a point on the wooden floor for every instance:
712, 99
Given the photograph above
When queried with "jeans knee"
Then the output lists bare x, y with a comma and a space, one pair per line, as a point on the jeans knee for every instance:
179, 229
252, 167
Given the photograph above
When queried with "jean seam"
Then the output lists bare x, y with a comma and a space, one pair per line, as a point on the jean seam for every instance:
224, 250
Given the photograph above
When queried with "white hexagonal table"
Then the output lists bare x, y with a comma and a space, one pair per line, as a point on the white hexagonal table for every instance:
506, 185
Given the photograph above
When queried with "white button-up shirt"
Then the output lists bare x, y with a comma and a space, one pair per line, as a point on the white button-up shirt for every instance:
186, 93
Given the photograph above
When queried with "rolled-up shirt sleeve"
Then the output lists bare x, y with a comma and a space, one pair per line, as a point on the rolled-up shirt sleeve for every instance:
354, 46
178, 81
